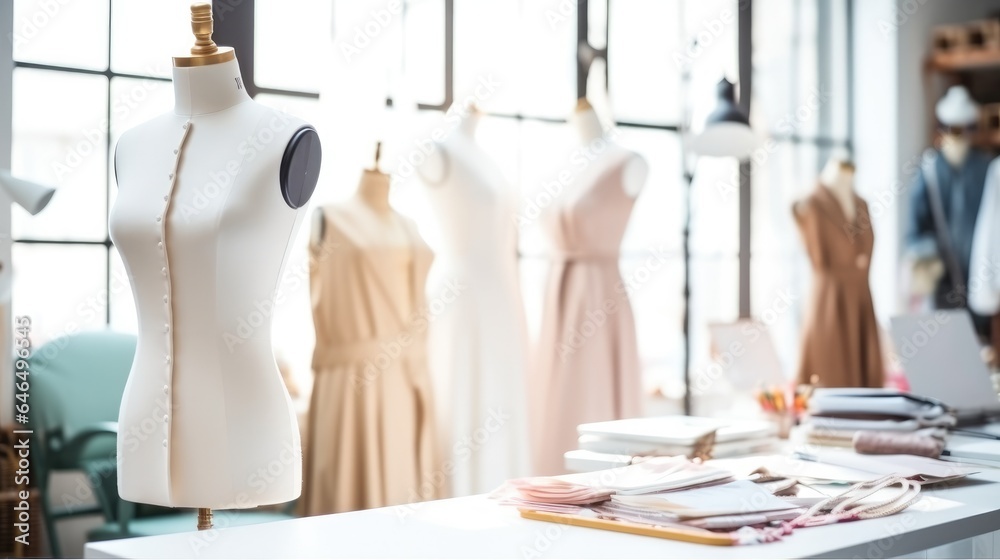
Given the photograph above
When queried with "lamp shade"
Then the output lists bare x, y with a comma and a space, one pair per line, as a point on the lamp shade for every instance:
28, 195
726, 131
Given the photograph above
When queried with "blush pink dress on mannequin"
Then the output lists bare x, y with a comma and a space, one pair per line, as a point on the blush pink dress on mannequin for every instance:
587, 362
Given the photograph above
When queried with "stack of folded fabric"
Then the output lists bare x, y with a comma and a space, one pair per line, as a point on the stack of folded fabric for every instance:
870, 420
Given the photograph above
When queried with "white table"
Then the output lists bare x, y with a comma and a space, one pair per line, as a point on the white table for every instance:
475, 527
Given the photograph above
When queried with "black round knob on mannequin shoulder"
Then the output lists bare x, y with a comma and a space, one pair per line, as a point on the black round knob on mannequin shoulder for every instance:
300, 167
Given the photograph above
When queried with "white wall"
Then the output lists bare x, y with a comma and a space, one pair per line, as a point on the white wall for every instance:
893, 118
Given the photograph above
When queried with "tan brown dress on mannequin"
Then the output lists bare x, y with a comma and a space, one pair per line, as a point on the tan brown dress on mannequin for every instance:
588, 359
841, 343
370, 437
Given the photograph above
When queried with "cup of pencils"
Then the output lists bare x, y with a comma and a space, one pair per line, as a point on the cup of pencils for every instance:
783, 406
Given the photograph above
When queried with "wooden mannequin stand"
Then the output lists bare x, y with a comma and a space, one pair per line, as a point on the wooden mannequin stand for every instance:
204, 519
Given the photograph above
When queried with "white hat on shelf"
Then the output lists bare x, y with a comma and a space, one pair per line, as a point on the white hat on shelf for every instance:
957, 108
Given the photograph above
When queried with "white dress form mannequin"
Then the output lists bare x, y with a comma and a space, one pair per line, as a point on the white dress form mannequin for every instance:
838, 176
374, 217
204, 230
591, 132
478, 344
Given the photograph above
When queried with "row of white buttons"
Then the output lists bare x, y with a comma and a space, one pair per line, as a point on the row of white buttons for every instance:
165, 271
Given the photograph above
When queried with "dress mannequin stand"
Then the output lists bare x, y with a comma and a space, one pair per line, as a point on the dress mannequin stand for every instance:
587, 363
840, 345
478, 344
371, 419
210, 197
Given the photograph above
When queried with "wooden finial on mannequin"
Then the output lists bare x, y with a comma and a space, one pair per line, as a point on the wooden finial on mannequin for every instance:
202, 25
205, 51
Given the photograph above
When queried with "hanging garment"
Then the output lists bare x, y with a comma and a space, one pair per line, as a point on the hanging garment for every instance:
478, 338
961, 193
588, 361
984, 268
840, 343
371, 434
984, 278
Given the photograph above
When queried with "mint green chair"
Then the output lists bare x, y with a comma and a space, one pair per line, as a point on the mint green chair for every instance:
76, 390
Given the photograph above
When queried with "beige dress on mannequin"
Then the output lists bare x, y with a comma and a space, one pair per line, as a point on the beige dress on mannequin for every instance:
840, 346
588, 360
371, 436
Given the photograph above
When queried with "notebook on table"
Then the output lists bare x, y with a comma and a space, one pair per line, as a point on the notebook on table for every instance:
678, 430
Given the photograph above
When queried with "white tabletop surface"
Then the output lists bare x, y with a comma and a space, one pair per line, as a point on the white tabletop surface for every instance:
476, 527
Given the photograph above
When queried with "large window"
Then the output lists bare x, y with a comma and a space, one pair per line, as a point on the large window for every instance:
363, 71
801, 98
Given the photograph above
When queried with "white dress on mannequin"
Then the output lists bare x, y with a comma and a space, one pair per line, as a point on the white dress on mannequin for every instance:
204, 233
477, 342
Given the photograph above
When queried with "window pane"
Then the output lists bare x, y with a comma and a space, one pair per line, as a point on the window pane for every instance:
776, 280
60, 138
784, 176
423, 50
807, 78
715, 207
834, 72
485, 34
643, 31
545, 153
658, 215
656, 298
43, 292
290, 37
123, 313
145, 49
709, 50
714, 299
134, 102
61, 33
774, 55
546, 51
779, 265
